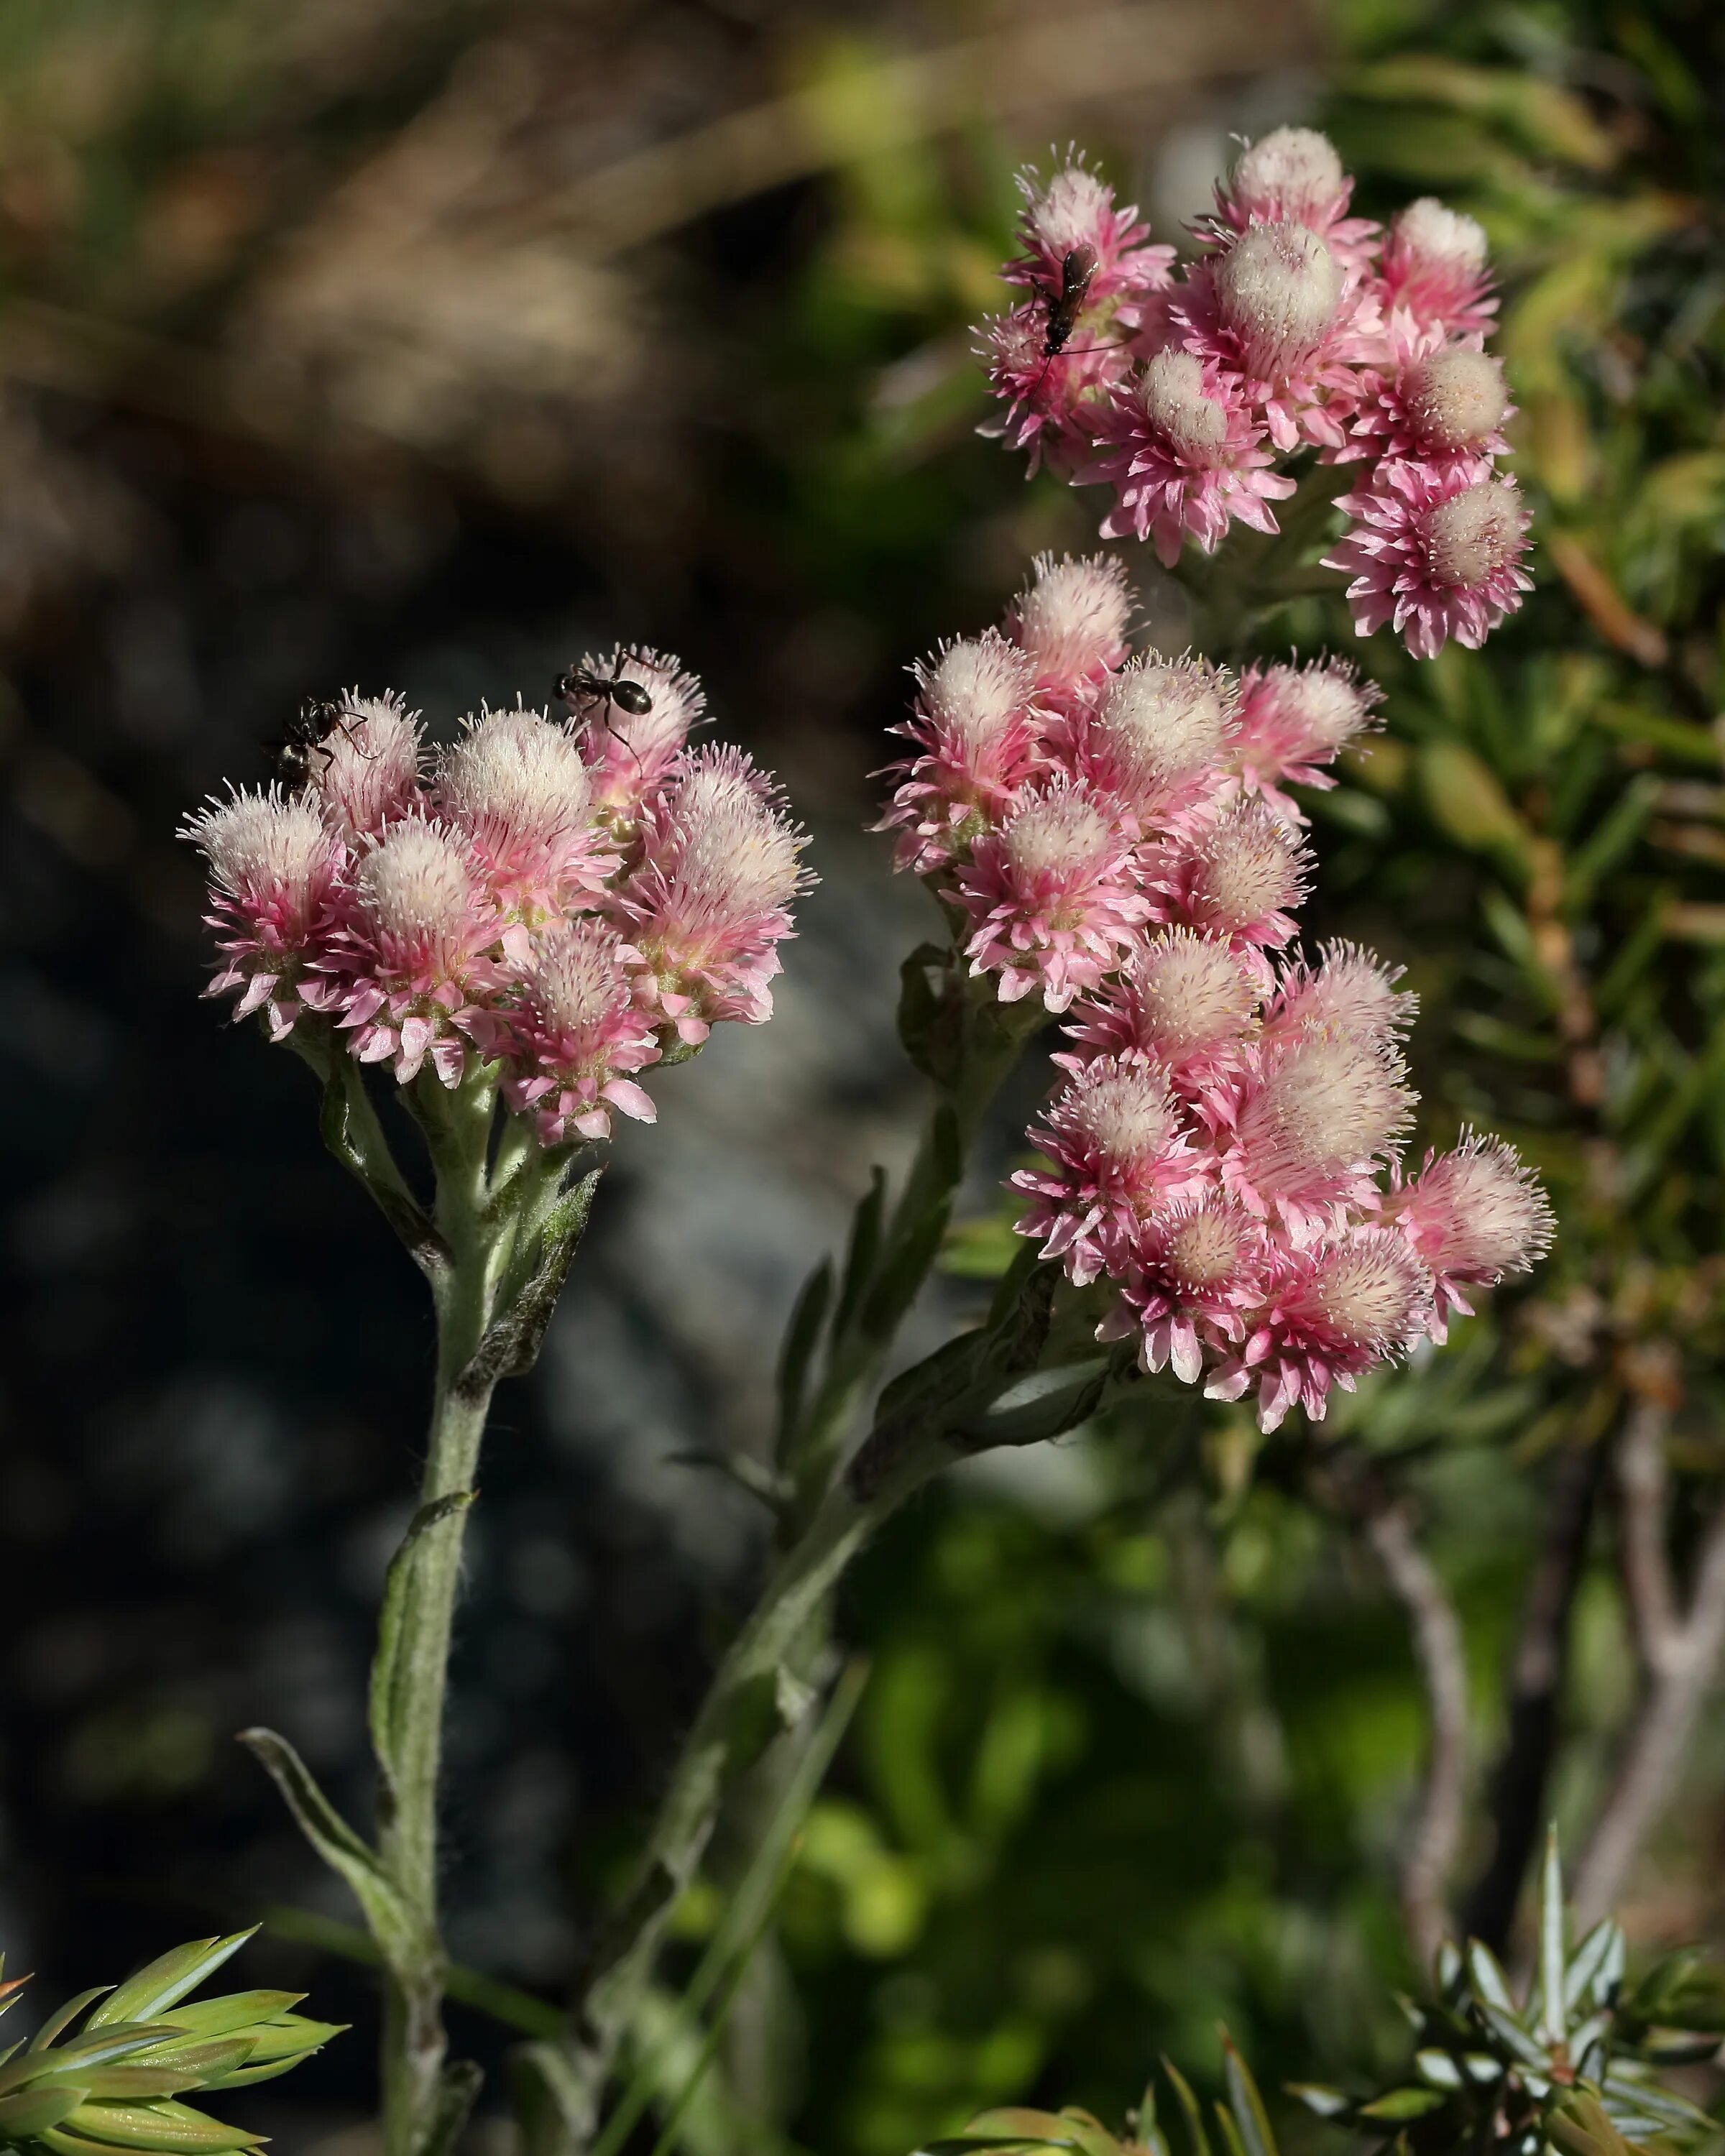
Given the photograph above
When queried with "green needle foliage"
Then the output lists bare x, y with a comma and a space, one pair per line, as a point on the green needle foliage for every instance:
1571, 2070
117, 2082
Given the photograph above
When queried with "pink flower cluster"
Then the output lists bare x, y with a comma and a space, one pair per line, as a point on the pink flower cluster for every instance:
1113, 833
1295, 326
572, 901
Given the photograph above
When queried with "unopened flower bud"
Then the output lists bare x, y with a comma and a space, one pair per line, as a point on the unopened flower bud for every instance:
1072, 622
1171, 395
1476, 534
1292, 173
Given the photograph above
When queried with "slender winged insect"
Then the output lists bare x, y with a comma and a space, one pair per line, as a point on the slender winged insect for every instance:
306, 735
1078, 265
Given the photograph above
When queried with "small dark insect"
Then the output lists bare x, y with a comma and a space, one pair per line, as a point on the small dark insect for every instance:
581, 686
305, 736
1078, 265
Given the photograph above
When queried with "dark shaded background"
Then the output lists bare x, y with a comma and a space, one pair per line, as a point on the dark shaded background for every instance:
428, 345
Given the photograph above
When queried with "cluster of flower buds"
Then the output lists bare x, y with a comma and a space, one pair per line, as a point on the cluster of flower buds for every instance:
574, 900
1112, 833
1294, 326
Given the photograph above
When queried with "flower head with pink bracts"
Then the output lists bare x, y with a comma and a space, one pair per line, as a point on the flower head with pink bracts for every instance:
558, 903
1437, 554
273, 867
1221, 1158
1294, 326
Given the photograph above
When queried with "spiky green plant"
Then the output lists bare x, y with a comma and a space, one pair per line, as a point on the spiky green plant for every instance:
1571, 2067
117, 2082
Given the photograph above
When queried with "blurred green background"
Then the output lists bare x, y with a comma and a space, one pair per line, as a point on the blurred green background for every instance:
426, 343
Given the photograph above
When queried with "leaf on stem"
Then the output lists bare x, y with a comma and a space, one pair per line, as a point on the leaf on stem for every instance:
400, 1940
512, 1347
388, 1661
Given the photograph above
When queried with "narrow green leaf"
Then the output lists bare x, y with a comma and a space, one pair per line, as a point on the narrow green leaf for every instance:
1245, 2103
1325, 2102
400, 1940
1188, 2106
32, 2110
457, 2090
1587, 1964
233, 2009
1403, 2103
1438, 2069
802, 1337
861, 1251
1514, 2037
167, 1980
65, 2016
1551, 1941
165, 2126
1489, 1980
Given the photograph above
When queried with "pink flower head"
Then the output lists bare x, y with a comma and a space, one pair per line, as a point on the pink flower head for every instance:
413, 953
710, 904
1331, 1312
1184, 456
575, 1034
1159, 738
979, 738
1306, 1128
1434, 272
272, 863
1076, 211
1183, 1000
1440, 405
629, 752
1117, 1150
1351, 988
1293, 175
1281, 312
1234, 877
1293, 720
1071, 622
366, 770
1437, 554
1472, 1216
1196, 1269
1047, 395
1051, 895
516, 787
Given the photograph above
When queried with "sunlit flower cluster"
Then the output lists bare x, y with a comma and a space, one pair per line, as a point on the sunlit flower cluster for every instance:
1294, 326
1114, 834
573, 898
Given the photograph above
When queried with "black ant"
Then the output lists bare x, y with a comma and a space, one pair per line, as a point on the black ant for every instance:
306, 735
581, 684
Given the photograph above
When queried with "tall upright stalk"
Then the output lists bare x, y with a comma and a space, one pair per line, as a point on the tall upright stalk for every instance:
494, 1247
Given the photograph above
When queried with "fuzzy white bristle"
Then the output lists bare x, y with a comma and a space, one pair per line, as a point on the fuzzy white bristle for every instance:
415, 883
1367, 1289
1124, 1110
1330, 1100
1073, 617
578, 982
1201, 1250
976, 687
1430, 231
1171, 395
258, 844
1319, 708
1293, 169
1188, 992
1056, 833
366, 768
1164, 721
1070, 211
1278, 287
1456, 399
1480, 1211
1476, 534
737, 858
1248, 866
1353, 988
515, 774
